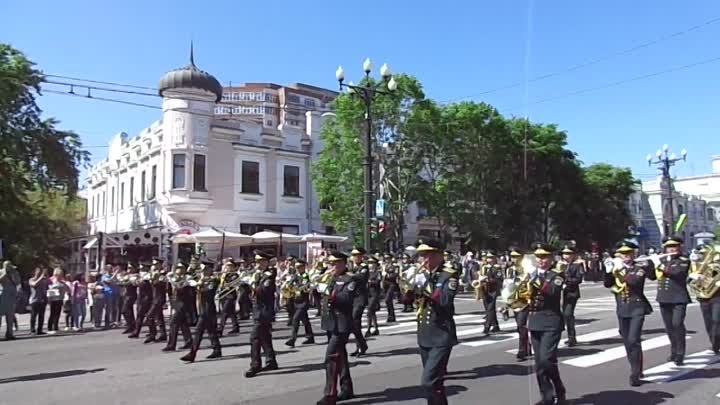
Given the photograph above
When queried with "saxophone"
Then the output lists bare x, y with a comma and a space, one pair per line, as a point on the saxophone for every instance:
705, 279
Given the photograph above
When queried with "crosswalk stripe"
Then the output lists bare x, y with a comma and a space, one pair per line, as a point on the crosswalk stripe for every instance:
413, 322
586, 338
669, 371
615, 353
492, 339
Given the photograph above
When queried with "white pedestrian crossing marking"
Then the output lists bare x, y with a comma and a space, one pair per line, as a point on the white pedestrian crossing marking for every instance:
669, 371
587, 338
615, 353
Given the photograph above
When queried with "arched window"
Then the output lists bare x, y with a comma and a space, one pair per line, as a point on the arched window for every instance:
681, 209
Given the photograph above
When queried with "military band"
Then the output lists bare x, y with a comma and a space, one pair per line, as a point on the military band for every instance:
540, 292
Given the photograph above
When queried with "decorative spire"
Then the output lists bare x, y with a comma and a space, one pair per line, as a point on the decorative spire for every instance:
192, 56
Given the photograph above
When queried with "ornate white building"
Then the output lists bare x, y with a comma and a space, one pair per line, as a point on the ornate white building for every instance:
193, 170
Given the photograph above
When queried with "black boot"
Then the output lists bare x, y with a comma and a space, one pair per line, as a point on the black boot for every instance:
290, 343
376, 332
216, 353
149, 339
271, 365
190, 357
309, 341
252, 372
168, 348
571, 342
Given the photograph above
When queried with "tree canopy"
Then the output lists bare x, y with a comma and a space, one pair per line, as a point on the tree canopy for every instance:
468, 165
39, 165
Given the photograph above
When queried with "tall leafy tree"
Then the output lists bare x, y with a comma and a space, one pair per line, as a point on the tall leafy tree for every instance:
338, 174
36, 160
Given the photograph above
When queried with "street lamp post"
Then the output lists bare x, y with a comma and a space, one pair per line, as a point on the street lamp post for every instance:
367, 93
664, 160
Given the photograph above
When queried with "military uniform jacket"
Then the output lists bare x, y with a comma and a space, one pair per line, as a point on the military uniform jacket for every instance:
302, 298
494, 279
545, 309
361, 282
145, 291
264, 308
436, 326
390, 281
573, 278
632, 301
672, 282
206, 297
374, 282
182, 298
160, 290
337, 304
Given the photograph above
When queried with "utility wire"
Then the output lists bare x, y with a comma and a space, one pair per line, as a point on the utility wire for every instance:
592, 61
132, 86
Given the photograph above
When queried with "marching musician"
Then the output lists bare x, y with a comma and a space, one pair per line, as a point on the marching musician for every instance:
182, 302
263, 290
626, 277
301, 302
129, 295
545, 323
574, 273
244, 293
145, 297
360, 270
207, 313
289, 275
193, 270
492, 285
338, 322
436, 334
374, 290
521, 313
229, 275
673, 296
318, 273
159, 298
710, 303
391, 287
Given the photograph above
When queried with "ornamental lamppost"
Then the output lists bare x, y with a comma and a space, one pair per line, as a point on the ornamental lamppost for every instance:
664, 160
367, 93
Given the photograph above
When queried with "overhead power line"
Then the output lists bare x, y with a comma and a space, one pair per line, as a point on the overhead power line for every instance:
132, 86
592, 61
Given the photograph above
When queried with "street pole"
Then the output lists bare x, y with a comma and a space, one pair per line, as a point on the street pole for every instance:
665, 160
368, 91
368, 193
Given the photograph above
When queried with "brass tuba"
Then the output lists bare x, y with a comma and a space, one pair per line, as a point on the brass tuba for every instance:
521, 293
705, 280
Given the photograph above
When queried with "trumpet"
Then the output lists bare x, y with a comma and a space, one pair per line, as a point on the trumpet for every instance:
288, 288
705, 280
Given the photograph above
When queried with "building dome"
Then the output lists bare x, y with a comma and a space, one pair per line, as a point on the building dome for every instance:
190, 77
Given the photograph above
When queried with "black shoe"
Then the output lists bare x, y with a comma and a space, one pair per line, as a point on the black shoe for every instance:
571, 342
290, 343
126, 331
679, 361
168, 349
390, 320
521, 356
162, 338
270, 366
150, 339
635, 381
376, 332
309, 341
133, 336
486, 332
41, 333
10, 337
252, 372
190, 357
215, 354
495, 329
345, 396
326, 401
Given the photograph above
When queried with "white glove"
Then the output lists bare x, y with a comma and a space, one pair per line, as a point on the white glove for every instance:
609, 265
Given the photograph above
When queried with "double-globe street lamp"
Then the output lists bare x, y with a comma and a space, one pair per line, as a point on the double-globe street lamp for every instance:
664, 160
367, 91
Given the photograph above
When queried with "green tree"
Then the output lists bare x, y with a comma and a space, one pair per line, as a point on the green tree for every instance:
36, 160
338, 174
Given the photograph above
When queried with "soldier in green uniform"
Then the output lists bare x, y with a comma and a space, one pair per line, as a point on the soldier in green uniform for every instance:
207, 313
574, 273
263, 287
360, 271
545, 323
493, 283
710, 302
673, 296
436, 334
375, 291
229, 275
181, 302
338, 301
302, 305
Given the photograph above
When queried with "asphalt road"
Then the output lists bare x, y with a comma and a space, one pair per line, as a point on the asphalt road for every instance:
104, 367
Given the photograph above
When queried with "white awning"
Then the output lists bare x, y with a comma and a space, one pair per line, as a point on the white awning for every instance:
275, 237
324, 238
213, 236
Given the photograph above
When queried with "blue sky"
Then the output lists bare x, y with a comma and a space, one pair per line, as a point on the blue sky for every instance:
456, 48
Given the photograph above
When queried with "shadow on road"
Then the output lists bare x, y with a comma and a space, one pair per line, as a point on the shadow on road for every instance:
396, 352
402, 394
698, 374
623, 397
48, 376
242, 356
492, 370
310, 367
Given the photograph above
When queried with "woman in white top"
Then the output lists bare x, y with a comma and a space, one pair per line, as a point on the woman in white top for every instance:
56, 294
